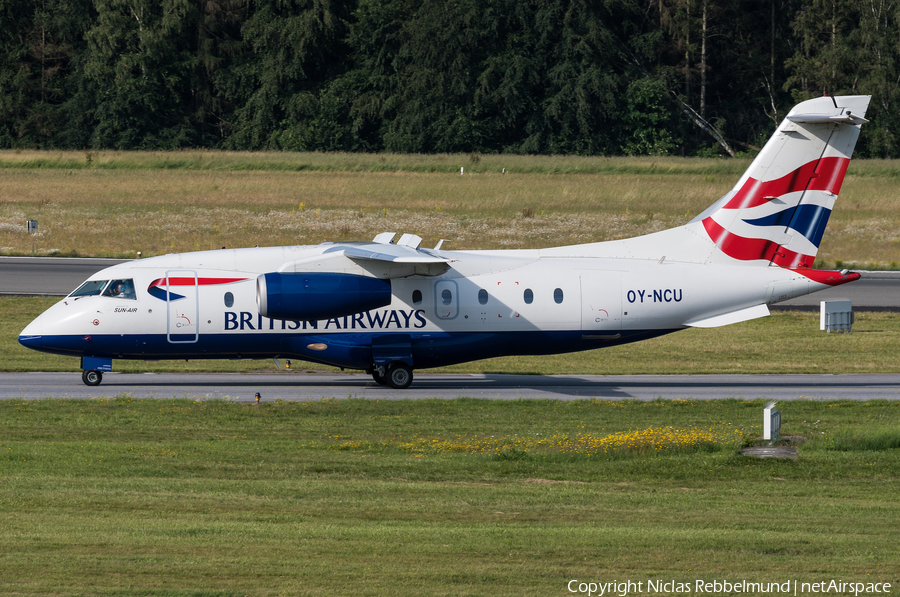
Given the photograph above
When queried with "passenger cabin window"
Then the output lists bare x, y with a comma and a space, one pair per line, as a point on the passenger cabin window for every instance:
558, 296
229, 300
482, 296
417, 297
529, 296
89, 288
446, 296
122, 289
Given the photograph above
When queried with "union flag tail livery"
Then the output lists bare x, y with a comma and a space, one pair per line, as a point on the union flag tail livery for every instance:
390, 306
779, 208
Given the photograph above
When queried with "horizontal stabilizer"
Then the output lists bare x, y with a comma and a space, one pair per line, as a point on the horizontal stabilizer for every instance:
729, 318
847, 118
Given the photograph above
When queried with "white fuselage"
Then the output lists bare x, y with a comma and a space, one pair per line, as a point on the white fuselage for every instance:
488, 303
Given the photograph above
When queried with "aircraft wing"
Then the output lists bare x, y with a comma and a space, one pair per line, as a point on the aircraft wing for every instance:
380, 258
425, 264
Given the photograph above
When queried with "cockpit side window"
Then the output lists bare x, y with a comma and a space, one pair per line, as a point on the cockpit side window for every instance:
89, 288
123, 289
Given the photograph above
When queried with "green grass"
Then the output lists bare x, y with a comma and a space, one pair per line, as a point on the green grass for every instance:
126, 497
204, 160
212, 160
868, 440
465, 497
784, 342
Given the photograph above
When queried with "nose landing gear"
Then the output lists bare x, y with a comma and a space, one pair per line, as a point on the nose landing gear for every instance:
91, 378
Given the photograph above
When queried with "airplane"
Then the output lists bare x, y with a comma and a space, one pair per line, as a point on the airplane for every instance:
390, 306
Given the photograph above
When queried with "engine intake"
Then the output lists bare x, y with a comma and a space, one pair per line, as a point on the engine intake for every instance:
316, 296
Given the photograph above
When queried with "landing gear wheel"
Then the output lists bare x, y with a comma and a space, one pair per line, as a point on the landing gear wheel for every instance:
91, 378
399, 375
379, 379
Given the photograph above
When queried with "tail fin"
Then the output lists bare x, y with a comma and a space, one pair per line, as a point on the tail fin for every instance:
779, 208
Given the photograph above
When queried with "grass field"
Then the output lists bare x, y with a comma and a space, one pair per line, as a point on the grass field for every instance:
176, 498
464, 497
119, 203
784, 342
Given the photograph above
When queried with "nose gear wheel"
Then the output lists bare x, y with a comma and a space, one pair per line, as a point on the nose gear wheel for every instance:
91, 378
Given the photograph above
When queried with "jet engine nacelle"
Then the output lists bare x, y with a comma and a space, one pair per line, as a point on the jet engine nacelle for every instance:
316, 296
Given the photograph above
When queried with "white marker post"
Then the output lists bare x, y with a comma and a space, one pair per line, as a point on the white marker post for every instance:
771, 423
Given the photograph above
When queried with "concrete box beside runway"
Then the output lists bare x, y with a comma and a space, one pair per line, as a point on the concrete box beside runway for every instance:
836, 316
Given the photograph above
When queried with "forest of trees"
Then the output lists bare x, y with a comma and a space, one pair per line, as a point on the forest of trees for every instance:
680, 77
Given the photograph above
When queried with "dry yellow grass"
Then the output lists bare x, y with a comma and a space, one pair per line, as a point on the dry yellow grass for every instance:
113, 212
119, 211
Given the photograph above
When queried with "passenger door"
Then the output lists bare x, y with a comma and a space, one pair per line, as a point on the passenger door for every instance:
182, 306
446, 299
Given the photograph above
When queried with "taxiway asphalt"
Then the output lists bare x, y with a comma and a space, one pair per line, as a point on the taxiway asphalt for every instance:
299, 386
54, 276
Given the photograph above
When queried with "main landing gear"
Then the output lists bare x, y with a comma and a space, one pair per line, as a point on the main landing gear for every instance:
397, 375
91, 378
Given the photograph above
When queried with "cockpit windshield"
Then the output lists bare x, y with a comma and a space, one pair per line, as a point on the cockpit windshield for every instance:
121, 289
89, 288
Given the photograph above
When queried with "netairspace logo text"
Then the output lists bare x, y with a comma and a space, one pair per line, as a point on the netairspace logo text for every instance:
705, 587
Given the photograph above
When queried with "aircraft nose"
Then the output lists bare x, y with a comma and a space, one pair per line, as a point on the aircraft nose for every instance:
31, 336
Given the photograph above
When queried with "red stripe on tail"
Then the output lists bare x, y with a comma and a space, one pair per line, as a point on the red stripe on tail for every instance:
747, 249
826, 174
